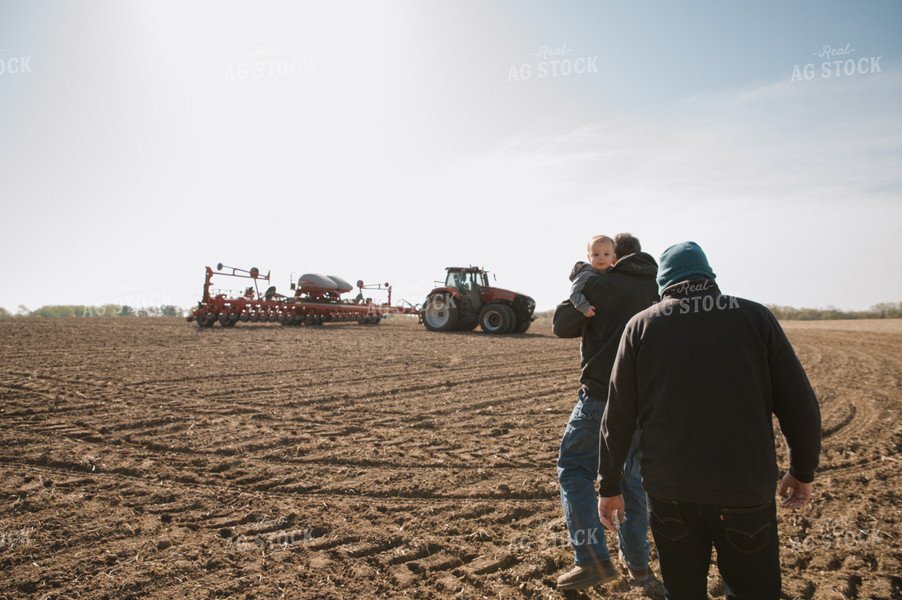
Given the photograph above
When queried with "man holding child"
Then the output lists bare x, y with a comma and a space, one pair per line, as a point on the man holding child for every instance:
623, 284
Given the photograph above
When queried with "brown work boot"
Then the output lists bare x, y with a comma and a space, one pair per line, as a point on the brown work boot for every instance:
584, 576
640, 576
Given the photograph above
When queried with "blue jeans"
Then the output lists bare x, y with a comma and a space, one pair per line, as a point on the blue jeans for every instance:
748, 551
577, 470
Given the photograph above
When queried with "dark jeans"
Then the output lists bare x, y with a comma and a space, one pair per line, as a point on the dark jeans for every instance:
748, 552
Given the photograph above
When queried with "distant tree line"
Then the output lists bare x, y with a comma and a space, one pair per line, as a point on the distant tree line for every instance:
105, 310
884, 310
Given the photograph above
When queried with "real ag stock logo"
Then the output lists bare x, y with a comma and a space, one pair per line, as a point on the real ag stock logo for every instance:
834, 534
15, 537
553, 62
838, 63
269, 63
14, 65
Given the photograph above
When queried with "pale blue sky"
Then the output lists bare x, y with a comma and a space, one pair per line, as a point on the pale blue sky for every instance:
395, 143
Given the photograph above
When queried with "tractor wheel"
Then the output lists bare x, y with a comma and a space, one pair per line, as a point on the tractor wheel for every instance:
206, 320
513, 317
441, 313
497, 318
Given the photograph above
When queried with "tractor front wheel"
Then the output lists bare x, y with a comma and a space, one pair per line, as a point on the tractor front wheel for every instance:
441, 313
497, 318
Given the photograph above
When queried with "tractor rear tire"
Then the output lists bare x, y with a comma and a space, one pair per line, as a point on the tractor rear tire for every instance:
497, 318
441, 313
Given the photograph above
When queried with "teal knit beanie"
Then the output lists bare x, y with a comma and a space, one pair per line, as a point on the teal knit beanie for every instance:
680, 262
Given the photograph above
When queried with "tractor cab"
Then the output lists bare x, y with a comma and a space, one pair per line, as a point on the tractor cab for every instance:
472, 277
469, 283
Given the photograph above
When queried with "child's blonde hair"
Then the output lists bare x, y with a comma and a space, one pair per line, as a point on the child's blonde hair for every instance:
599, 239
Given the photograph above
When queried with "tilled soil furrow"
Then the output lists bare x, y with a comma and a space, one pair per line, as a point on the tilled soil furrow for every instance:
190, 481
314, 397
349, 373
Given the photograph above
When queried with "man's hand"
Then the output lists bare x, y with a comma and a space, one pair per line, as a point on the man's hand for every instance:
609, 509
800, 492
590, 312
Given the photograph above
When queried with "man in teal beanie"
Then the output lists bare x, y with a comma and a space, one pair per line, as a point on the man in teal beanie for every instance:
700, 374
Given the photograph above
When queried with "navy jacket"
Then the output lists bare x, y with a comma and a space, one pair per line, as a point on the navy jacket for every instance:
701, 375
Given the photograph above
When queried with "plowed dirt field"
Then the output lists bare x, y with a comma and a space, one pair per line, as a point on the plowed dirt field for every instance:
146, 458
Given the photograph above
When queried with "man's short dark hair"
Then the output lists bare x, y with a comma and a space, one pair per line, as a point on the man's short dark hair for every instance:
626, 244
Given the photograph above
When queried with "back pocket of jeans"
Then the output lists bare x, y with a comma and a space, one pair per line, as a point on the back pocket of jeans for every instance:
666, 520
749, 530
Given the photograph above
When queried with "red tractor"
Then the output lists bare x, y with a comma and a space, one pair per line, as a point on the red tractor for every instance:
467, 300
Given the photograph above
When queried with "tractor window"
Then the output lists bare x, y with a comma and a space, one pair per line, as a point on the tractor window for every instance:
470, 279
476, 279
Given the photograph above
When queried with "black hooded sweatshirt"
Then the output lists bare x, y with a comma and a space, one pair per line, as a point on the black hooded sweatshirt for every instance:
701, 374
627, 288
